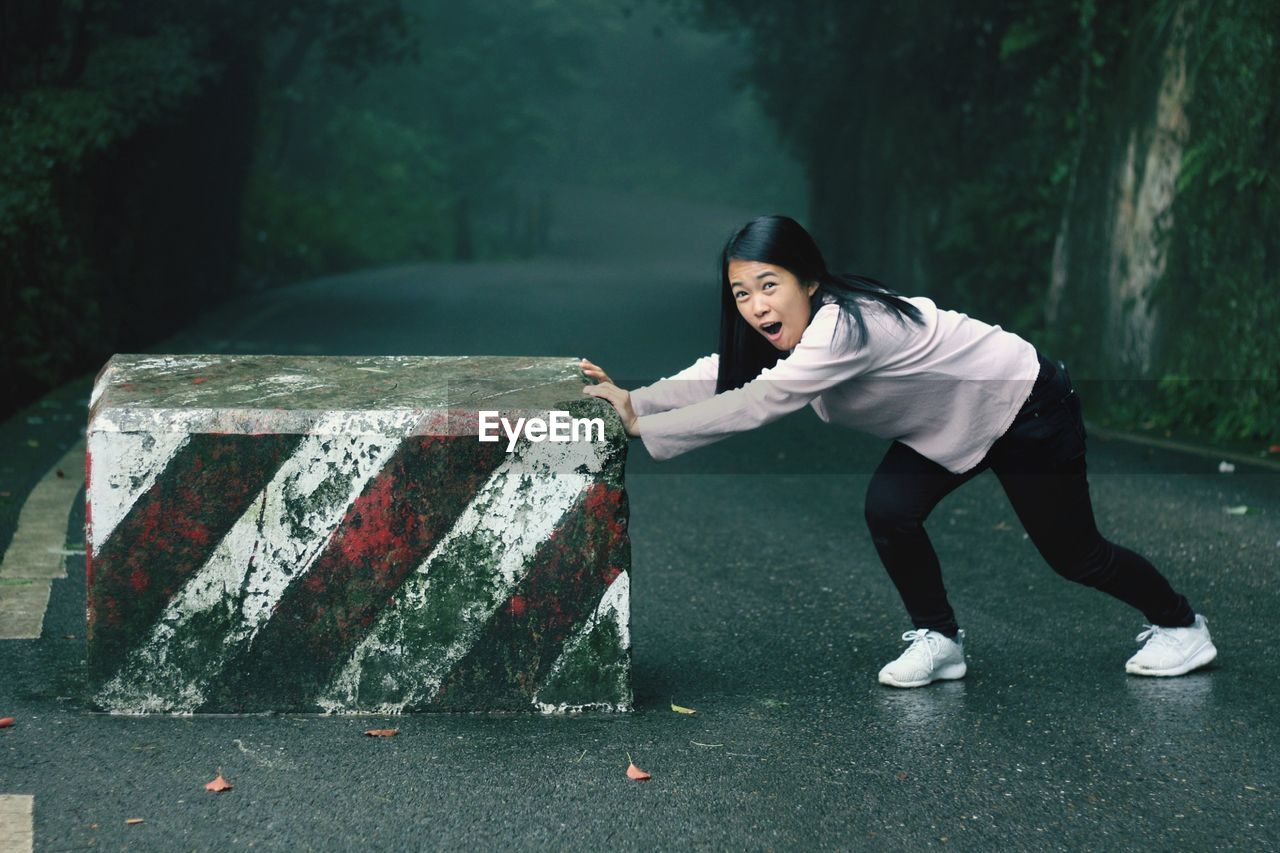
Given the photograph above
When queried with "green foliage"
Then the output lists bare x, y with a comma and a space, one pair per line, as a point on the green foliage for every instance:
52, 135
384, 200
51, 132
968, 135
91, 92
1223, 280
397, 165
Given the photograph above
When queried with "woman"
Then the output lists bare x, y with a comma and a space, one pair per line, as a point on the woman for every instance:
956, 395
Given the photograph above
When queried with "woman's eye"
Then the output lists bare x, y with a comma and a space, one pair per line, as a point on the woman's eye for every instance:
769, 284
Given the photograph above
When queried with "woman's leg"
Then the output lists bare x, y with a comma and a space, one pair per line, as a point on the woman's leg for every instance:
903, 491
1041, 465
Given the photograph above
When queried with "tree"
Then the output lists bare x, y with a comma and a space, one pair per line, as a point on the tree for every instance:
127, 130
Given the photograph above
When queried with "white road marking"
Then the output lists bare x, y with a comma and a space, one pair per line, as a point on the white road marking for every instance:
23, 602
38, 543
38, 552
17, 834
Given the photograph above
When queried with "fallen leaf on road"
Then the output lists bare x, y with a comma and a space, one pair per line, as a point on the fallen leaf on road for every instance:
134, 820
634, 772
1236, 510
199, 380
218, 785
1275, 448
5, 722
902, 775
1003, 526
680, 709
382, 732
31, 442
59, 473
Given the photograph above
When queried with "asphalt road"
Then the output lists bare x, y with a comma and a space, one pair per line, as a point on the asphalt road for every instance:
757, 599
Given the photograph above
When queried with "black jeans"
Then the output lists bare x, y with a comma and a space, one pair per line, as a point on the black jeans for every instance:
1040, 463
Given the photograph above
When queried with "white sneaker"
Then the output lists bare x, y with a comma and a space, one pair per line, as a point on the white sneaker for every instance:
931, 656
1173, 651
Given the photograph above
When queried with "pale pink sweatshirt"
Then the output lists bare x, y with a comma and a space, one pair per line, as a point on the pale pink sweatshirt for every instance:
948, 388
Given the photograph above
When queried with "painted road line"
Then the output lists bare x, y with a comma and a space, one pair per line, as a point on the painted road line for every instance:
38, 552
39, 544
17, 834
22, 605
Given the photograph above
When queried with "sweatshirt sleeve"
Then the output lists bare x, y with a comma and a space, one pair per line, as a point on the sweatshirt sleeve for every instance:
695, 383
817, 363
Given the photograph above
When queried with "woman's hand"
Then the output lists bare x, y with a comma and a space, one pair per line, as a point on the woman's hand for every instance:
619, 398
595, 372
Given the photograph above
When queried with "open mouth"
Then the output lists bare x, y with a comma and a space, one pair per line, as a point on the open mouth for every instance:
772, 329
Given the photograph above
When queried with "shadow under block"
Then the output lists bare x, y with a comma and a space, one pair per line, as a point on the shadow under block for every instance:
330, 534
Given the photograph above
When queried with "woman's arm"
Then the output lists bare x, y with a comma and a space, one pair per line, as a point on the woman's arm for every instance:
817, 363
695, 383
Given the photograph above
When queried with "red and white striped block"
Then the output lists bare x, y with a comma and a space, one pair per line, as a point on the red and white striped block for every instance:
268, 533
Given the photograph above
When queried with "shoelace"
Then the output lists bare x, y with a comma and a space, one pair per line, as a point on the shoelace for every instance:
919, 638
1158, 635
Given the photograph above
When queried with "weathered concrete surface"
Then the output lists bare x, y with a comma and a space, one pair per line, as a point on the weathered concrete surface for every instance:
270, 533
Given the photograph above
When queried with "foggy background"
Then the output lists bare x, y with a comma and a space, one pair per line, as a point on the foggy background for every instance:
1101, 180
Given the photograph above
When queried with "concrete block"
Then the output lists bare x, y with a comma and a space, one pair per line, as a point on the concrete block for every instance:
276, 533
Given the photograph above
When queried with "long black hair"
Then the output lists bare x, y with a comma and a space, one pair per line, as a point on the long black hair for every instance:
783, 242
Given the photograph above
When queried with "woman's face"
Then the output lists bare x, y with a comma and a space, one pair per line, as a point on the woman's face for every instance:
771, 300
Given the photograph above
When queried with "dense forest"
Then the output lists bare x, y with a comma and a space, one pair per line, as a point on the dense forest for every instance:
128, 130
1104, 177
1101, 176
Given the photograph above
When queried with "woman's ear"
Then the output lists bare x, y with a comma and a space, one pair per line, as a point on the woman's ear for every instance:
812, 288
